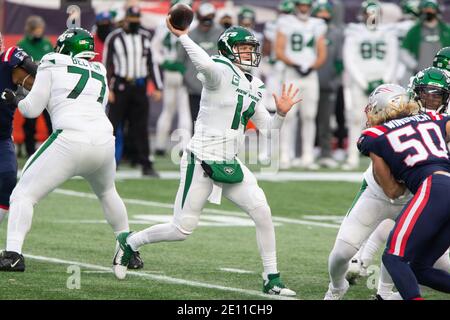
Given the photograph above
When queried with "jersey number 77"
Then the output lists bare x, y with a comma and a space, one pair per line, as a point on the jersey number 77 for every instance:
81, 84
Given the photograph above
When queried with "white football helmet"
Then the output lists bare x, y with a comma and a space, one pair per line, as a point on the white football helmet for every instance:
386, 96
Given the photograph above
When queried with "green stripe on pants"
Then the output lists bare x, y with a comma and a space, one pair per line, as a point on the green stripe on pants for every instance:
361, 190
44, 147
188, 180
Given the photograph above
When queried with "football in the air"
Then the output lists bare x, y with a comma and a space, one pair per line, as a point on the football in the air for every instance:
181, 16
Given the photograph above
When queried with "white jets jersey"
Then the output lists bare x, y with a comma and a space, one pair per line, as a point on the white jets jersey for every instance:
370, 55
74, 91
224, 113
301, 38
378, 191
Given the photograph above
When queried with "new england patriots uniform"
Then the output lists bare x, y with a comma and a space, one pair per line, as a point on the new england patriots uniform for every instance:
415, 149
9, 59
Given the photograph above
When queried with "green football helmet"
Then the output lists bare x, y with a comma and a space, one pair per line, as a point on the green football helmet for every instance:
228, 46
286, 6
322, 5
410, 7
429, 4
307, 2
442, 59
77, 43
246, 15
431, 89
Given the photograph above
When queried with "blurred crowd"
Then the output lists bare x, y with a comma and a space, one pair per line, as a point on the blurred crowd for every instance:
335, 65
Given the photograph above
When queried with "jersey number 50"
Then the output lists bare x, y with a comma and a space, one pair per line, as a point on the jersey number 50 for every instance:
424, 148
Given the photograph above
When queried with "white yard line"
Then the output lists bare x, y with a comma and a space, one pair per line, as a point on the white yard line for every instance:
206, 210
160, 278
233, 270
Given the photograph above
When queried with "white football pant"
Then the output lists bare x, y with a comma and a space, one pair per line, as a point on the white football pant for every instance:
175, 98
60, 158
193, 192
355, 103
307, 110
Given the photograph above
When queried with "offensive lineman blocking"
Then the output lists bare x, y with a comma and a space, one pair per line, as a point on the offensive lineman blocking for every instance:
230, 97
75, 92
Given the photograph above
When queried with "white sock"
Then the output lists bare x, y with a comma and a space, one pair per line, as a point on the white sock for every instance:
3, 213
19, 223
385, 284
338, 262
115, 211
443, 263
377, 239
156, 233
265, 238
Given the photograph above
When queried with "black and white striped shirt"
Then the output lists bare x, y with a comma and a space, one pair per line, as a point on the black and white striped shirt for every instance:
129, 56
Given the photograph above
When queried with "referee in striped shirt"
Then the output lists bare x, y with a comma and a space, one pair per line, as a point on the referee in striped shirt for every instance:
128, 59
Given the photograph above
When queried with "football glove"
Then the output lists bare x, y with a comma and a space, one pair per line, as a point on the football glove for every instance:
8, 96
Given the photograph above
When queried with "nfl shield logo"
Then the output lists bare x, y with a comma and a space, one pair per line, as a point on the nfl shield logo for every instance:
228, 170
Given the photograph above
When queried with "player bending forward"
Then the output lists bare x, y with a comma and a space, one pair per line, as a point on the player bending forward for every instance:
230, 98
410, 147
75, 93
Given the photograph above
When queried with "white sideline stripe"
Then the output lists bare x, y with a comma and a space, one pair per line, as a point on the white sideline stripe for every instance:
236, 270
206, 210
160, 278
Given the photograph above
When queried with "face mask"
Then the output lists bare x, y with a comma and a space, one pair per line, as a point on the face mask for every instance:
430, 16
103, 30
35, 39
227, 25
133, 27
207, 22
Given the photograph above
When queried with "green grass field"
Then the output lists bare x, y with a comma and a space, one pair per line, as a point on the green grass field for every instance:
69, 237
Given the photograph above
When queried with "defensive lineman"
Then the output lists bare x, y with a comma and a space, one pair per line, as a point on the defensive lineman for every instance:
75, 93
10, 60
230, 97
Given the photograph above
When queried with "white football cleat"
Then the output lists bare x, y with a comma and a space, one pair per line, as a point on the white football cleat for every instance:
336, 294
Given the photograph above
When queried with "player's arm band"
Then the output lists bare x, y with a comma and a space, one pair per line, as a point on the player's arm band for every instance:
29, 66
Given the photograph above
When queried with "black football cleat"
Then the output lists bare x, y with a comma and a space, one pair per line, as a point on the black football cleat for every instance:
11, 261
136, 261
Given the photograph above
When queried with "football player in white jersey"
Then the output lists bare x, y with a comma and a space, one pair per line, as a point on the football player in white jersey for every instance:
370, 59
432, 98
272, 69
300, 44
75, 93
230, 97
370, 207
175, 96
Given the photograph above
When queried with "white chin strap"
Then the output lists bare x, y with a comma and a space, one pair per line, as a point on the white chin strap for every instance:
86, 55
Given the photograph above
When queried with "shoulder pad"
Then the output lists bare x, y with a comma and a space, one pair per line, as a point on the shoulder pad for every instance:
14, 56
375, 132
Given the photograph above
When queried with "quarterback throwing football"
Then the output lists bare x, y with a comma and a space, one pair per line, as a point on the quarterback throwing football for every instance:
230, 97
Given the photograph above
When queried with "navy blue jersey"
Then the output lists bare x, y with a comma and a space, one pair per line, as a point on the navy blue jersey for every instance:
413, 147
9, 59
